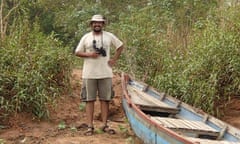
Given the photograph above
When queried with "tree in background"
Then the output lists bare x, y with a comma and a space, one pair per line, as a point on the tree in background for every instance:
6, 10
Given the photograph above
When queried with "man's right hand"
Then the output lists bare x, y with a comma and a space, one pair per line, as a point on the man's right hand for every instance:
87, 55
93, 55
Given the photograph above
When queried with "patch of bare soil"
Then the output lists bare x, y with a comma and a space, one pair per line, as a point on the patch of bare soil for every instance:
68, 114
232, 112
61, 128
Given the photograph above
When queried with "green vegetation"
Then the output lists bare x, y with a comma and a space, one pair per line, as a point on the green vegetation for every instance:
2, 141
34, 66
187, 48
62, 125
82, 106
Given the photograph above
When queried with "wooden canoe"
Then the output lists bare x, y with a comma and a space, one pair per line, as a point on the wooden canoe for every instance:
158, 118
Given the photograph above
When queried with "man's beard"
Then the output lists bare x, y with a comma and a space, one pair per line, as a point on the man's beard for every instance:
97, 30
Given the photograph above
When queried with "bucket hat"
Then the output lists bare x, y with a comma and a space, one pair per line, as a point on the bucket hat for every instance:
97, 18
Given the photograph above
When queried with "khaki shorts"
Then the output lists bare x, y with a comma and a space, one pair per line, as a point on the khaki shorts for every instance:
92, 88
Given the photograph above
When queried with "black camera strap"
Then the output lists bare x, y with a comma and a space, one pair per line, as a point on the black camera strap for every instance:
101, 40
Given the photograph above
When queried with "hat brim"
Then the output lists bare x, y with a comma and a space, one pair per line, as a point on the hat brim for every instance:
104, 22
97, 20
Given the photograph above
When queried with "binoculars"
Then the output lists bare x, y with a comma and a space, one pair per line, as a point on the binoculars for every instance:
100, 50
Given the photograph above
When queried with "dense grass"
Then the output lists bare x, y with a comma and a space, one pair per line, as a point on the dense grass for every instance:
196, 61
34, 71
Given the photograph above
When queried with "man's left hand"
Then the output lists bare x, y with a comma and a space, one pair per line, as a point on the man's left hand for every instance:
111, 62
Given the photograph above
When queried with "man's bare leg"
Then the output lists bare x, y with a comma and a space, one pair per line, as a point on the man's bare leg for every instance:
89, 112
104, 111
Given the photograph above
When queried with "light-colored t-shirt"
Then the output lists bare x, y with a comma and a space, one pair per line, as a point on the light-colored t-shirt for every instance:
97, 68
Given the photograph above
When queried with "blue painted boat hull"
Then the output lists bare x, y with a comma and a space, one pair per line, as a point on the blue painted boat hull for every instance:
152, 132
147, 132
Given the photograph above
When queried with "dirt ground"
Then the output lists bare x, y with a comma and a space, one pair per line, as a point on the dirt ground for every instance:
62, 127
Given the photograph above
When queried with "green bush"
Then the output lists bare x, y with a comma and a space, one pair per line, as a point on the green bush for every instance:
34, 70
188, 50
209, 72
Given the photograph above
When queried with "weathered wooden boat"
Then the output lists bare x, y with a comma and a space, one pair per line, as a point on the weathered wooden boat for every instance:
157, 118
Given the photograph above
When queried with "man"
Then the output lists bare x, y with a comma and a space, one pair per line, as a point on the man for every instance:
97, 74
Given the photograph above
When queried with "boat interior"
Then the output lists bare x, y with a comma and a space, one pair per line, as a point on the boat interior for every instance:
169, 116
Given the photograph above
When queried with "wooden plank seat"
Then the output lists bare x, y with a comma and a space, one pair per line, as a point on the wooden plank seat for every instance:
195, 128
148, 103
206, 141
